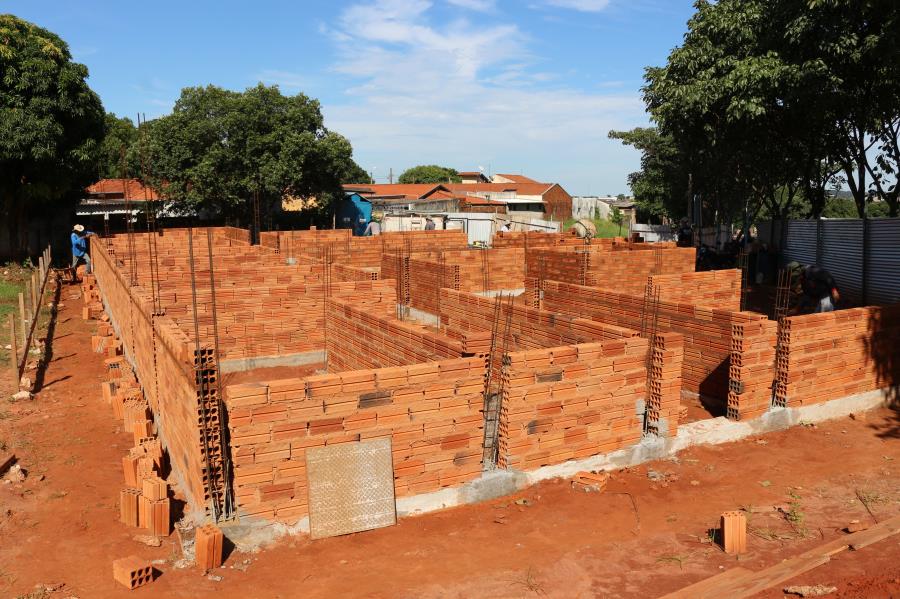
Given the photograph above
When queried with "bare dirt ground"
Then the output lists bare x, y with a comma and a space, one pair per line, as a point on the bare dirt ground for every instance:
644, 536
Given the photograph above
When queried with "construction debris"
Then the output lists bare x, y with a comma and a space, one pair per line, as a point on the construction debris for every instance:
818, 590
590, 482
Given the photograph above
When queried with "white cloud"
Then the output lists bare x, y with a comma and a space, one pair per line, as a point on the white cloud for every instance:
582, 5
479, 5
464, 94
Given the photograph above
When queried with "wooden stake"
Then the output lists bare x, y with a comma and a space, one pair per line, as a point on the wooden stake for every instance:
22, 318
14, 351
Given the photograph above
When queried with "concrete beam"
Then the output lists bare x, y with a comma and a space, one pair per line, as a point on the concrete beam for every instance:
244, 364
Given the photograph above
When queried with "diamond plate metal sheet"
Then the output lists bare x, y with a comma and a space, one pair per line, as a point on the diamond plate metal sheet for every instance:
351, 488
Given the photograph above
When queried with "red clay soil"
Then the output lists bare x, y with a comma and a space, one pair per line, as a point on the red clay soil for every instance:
645, 535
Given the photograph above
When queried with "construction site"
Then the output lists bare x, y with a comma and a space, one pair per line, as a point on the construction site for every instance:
319, 401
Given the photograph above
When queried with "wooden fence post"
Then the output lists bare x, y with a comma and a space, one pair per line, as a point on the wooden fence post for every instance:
14, 352
22, 317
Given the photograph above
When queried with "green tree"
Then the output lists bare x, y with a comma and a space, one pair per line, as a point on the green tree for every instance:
121, 134
660, 188
219, 149
429, 173
51, 125
616, 217
356, 174
768, 100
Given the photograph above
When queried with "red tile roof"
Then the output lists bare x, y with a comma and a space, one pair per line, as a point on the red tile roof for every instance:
131, 189
528, 189
412, 191
518, 178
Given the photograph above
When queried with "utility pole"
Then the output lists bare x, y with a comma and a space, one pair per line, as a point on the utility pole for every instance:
391, 176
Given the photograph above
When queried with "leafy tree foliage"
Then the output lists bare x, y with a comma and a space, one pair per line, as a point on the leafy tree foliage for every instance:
429, 173
356, 174
661, 186
768, 103
219, 148
121, 134
51, 124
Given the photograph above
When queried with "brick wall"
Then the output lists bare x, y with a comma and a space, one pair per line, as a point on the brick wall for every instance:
717, 288
707, 331
431, 413
421, 276
835, 354
571, 402
368, 336
557, 204
163, 362
625, 270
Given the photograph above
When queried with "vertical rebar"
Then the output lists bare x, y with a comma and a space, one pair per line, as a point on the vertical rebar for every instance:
223, 441
201, 381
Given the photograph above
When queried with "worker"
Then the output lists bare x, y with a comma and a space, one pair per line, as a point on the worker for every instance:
373, 229
80, 249
685, 234
819, 291
429, 224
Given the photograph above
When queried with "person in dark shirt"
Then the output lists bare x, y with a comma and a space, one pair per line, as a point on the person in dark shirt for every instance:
685, 234
820, 291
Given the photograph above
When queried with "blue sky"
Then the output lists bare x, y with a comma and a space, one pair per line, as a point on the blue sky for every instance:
527, 87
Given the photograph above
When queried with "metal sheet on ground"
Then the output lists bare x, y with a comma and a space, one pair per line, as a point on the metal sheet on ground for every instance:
351, 488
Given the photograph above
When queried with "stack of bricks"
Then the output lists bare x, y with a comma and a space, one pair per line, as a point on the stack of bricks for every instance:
751, 368
571, 402
835, 354
93, 306
714, 288
144, 501
359, 337
431, 412
707, 331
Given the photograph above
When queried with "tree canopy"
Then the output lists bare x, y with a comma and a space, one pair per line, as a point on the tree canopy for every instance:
770, 102
51, 125
429, 173
219, 148
120, 134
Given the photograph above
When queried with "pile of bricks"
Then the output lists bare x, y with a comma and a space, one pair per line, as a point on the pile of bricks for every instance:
360, 337
431, 413
835, 354
144, 500
93, 305
571, 402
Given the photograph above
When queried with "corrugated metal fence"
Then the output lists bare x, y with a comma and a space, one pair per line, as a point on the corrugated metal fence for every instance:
862, 255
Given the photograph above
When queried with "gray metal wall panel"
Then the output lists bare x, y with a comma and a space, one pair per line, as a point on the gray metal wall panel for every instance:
884, 261
801, 241
842, 255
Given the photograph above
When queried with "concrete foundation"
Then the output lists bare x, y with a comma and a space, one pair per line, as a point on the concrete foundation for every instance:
244, 364
251, 534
